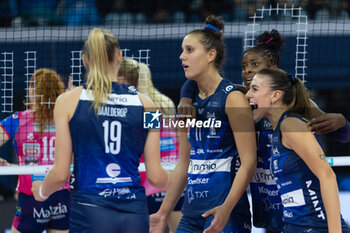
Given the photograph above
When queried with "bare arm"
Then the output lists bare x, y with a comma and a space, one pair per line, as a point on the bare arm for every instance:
3, 136
60, 172
296, 136
176, 186
155, 173
3, 139
242, 125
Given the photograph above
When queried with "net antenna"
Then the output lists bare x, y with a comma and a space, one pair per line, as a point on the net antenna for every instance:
300, 27
77, 67
30, 67
7, 81
143, 56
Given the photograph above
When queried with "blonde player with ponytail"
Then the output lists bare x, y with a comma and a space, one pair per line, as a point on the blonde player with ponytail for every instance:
97, 123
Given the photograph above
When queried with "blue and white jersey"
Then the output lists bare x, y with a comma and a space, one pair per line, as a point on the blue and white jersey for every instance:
107, 148
213, 156
299, 188
267, 206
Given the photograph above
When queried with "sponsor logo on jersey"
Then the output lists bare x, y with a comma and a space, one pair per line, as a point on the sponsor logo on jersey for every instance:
198, 166
267, 191
228, 88
267, 125
275, 151
31, 149
47, 129
293, 199
113, 170
52, 212
167, 144
263, 176
114, 192
315, 201
18, 210
132, 89
197, 181
287, 214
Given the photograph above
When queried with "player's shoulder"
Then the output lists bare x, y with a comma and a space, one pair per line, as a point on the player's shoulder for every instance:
294, 124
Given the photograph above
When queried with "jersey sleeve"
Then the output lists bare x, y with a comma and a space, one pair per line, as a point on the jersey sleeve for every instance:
10, 125
342, 135
189, 89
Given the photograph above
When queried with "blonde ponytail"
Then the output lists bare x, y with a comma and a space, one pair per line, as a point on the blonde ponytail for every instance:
146, 87
100, 48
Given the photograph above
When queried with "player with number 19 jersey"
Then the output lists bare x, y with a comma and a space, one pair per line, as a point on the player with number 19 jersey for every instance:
107, 147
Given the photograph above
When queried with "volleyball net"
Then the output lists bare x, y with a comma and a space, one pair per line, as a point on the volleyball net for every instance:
316, 50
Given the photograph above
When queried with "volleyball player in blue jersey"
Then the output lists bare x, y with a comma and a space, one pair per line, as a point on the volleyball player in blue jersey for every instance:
267, 206
98, 123
206, 166
306, 182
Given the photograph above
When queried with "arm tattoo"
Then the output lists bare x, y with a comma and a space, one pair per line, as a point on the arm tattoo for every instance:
323, 157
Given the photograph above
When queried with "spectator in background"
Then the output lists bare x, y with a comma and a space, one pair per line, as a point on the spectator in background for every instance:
243, 9
343, 10
221, 8
122, 12
80, 13
36, 12
320, 10
171, 11
8, 10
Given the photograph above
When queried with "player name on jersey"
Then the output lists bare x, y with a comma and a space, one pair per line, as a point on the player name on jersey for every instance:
112, 111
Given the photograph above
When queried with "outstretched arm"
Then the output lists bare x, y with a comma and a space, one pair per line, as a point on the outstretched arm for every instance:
296, 136
242, 125
155, 173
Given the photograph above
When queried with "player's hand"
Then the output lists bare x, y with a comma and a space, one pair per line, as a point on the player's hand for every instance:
36, 189
3, 162
221, 214
157, 223
327, 123
186, 109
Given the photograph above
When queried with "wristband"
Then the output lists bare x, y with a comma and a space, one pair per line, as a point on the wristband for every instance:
41, 194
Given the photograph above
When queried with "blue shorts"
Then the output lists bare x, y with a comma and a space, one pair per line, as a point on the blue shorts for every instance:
291, 228
34, 216
155, 200
235, 224
89, 218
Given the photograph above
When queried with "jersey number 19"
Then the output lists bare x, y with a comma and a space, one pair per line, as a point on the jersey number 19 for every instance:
112, 135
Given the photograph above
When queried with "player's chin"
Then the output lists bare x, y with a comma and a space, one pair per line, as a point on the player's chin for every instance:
257, 115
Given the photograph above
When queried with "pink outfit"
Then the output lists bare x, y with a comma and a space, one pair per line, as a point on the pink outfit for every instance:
169, 153
33, 147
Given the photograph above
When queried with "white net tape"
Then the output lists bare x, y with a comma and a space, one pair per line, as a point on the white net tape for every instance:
340, 161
